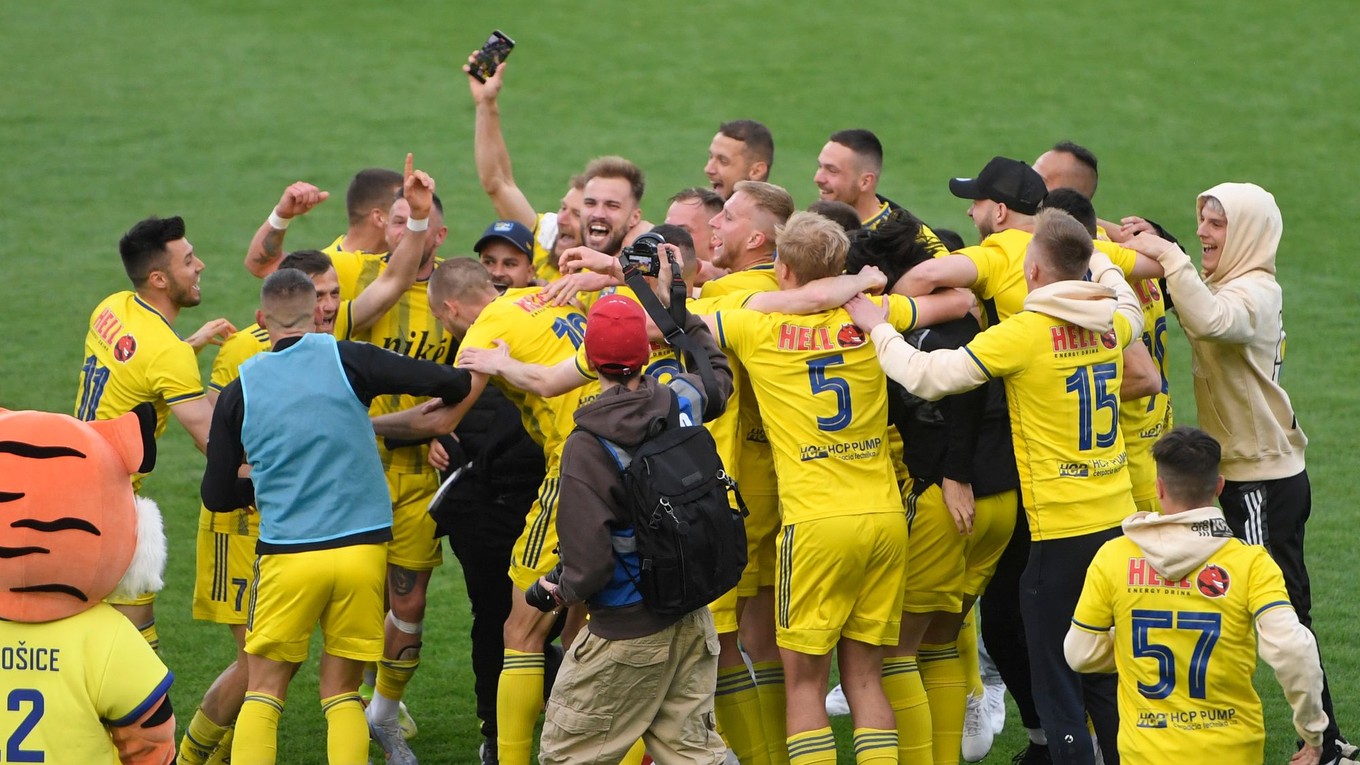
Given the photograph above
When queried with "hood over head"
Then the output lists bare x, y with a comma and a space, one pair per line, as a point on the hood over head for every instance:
1254, 230
1179, 543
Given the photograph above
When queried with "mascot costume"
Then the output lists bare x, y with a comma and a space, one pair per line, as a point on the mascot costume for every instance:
80, 684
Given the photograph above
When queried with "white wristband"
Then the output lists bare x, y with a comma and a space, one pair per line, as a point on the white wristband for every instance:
413, 224
278, 223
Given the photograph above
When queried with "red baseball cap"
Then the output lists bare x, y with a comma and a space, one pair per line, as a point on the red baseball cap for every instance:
616, 336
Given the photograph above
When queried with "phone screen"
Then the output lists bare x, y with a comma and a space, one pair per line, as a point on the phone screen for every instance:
489, 58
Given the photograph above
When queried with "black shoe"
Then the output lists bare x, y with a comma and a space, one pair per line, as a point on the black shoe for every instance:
1034, 754
487, 753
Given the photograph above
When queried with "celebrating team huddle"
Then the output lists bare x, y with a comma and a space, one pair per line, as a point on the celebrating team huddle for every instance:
918, 431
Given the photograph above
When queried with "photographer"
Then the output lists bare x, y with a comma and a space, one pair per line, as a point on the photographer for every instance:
634, 673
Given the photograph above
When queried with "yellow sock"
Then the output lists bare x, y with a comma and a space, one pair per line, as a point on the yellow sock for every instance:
814, 747
942, 675
968, 653
634, 756
911, 709
346, 729
393, 675
737, 707
150, 635
518, 699
773, 700
875, 747
257, 730
200, 739
222, 756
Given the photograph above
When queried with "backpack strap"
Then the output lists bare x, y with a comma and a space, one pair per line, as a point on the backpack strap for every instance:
621, 458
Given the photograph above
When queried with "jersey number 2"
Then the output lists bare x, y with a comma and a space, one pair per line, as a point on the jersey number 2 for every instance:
14, 745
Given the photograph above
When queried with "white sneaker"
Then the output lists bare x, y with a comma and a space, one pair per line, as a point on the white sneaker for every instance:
389, 738
994, 705
977, 730
836, 703
406, 722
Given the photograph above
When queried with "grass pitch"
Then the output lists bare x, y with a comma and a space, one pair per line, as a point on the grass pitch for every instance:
111, 112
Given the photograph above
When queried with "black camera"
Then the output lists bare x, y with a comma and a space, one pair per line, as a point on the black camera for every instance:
644, 254
538, 596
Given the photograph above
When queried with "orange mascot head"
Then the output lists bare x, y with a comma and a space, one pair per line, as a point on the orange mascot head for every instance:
70, 527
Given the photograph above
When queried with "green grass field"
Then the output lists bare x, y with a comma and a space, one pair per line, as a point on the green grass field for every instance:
114, 111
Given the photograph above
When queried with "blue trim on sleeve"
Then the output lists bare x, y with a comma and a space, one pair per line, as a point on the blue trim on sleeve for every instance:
1089, 628
161, 689
977, 361
1268, 606
722, 337
186, 397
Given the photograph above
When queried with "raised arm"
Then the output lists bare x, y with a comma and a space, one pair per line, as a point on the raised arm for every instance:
430, 419
1104, 272
266, 247
404, 263
492, 156
931, 376
820, 294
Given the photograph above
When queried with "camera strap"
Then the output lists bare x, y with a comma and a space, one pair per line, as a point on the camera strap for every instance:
672, 325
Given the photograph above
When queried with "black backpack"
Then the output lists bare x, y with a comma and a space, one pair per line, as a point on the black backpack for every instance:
691, 542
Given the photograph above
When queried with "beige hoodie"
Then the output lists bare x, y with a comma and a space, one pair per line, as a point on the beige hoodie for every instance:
1234, 321
1176, 545
1091, 305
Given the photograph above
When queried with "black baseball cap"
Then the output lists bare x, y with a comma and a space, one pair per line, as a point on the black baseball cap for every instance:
514, 232
1008, 181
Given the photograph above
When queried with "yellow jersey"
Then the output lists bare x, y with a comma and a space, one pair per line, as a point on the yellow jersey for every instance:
1062, 389
227, 367
823, 398
1144, 420
336, 251
409, 328
65, 679
134, 356
545, 235
537, 333
1000, 262
1185, 650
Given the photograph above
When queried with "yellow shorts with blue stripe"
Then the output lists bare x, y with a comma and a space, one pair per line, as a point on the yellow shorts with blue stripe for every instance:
943, 565
414, 545
226, 565
535, 552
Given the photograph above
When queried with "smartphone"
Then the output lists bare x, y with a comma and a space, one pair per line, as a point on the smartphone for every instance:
489, 58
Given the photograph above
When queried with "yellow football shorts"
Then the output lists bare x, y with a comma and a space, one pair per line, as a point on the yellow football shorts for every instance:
535, 552
414, 545
341, 589
226, 565
840, 577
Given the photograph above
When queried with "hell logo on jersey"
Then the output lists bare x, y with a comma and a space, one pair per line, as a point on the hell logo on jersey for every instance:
125, 348
1142, 574
1213, 581
795, 338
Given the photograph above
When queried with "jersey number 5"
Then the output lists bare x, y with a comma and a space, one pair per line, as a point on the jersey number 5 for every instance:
1208, 624
1089, 383
822, 382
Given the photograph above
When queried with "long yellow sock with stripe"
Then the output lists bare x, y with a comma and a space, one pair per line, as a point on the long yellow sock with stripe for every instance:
222, 756
150, 635
201, 737
875, 747
390, 686
737, 707
257, 730
942, 675
968, 653
911, 709
518, 700
773, 698
346, 729
813, 747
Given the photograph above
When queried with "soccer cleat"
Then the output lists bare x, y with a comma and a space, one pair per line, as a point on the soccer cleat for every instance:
486, 753
406, 722
994, 706
389, 738
977, 730
836, 703
1034, 754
